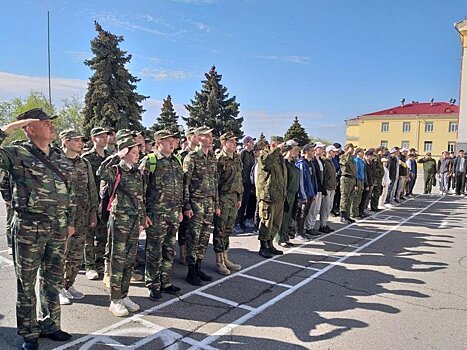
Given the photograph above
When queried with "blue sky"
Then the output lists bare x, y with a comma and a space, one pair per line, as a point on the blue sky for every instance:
322, 60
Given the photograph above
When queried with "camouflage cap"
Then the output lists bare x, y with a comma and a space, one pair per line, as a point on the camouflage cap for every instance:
126, 143
124, 133
190, 132
202, 130
349, 145
163, 134
98, 131
277, 139
35, 113
70, 134
228, 136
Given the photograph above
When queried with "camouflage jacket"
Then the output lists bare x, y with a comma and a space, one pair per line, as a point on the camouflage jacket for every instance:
82, 179
164, 186
272, 176
379, 171
96, 160
5, 187
230, 174
348, 166
37, 190
200, 177
129, 196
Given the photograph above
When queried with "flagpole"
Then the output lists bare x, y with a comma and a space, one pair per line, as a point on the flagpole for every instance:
48, 55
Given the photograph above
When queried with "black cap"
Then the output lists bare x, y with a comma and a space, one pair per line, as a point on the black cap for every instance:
35, 113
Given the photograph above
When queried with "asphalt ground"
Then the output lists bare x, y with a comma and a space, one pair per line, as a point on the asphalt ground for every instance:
397, 280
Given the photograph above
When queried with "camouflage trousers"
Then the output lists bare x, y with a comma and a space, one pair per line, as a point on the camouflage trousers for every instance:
288, 217
356, 199
347, 189
94, 247
74, 250
39, 246
9, 216
125, 234
160, 247
270, 215
199, 229
224, 224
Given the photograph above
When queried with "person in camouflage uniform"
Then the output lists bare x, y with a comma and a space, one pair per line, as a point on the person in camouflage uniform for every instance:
378, 184
43, 201
96, 238
127, 220
82, 180
193, 141
348, 182
429, 171
163, 177
200, 203
271, 192
7, 195
230, 189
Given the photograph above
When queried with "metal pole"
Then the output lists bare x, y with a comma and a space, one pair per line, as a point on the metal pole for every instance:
48, 55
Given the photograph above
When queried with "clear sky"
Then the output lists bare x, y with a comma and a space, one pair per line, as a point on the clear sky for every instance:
322, 60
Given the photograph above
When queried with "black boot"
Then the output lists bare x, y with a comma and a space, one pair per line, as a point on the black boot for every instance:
192, 277
264, 251
272, 249
200, 273
346, 219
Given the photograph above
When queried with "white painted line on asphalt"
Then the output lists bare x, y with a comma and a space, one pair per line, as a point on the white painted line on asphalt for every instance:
295, 265
259, 279
225, 301
194, 292
362, 230
350, 236
341, 244
7, 262
307, 252
229, 328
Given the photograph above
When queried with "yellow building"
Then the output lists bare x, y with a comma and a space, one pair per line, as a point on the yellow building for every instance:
427, 127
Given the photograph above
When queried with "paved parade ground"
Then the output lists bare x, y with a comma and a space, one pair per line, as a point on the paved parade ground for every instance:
397, 280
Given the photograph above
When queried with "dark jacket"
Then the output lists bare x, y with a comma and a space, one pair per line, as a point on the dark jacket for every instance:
330, 175
248, 160
393, 162
319, 176
456, 165
307, 186
369, 173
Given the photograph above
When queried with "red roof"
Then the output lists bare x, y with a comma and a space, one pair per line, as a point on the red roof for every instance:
420, 108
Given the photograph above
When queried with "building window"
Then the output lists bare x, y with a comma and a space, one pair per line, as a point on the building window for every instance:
406, 127
451, 146
384, 144
452, 127
428, 146
429, 127
405, 144
384, 127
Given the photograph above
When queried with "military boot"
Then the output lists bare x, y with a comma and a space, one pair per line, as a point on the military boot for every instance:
192, 277
182, 255
200, 273
221, 268
272, 249
264, 251
229, 264
345, 218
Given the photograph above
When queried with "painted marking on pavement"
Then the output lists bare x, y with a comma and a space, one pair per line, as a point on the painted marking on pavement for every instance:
225, 301
259, 279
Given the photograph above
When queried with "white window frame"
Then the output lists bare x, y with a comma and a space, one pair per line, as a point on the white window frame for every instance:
384, 143
406, 126
452, 127
384, 127
405, 144
451, 146
427, 126
425, 148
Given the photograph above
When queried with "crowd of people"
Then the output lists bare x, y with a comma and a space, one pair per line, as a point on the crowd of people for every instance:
68, 206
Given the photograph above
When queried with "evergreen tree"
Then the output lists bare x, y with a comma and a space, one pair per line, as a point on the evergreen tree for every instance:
261, 140
213, 107
111, 99
168, 119
314, 139
297, 133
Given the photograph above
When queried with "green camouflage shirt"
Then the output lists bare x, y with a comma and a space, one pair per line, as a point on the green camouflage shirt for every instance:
38, 190
348, 166
82, 179
230, 174
164, 186
96, 160
272, 176
200, 177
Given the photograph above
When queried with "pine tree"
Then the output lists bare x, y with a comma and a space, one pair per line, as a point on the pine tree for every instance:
261, 140
297, 133
168, 119
213, 107
111, 99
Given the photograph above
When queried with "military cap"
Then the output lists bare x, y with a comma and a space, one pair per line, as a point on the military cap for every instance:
277, 139
98, 131
35, 113
124, 133
70, 134
358, 150
164, 134
190, 132
202, 130
126, 143
228, 136
349, 145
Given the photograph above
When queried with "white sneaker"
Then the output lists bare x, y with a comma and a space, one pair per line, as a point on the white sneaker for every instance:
130, 304
63, 296
118, 309
92, 275
75, 294
388, 205
382, 207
